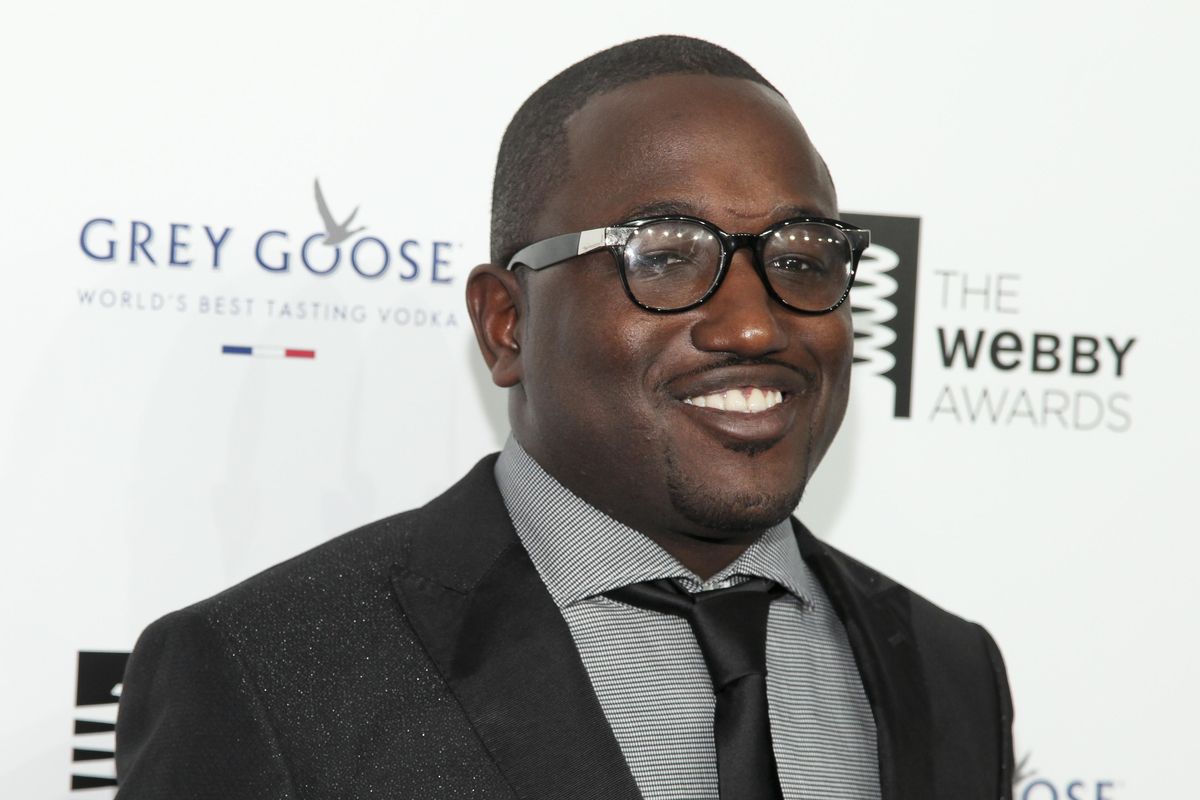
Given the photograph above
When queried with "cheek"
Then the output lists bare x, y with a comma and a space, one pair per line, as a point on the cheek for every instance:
828, 345
587, 347
827, 342
836, 341
846, 352
837, 358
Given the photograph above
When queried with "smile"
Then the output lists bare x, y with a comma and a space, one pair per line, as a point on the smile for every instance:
743, 399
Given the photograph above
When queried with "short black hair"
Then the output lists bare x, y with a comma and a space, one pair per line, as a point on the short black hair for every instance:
533, 152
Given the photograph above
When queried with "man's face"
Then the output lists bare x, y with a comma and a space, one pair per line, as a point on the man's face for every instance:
603, 382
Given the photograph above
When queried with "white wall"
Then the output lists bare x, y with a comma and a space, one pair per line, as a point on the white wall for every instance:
142, 469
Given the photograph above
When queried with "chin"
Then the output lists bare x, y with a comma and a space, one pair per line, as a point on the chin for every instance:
720, 508
734, 513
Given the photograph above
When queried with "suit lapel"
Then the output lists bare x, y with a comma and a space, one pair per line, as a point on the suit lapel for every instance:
876, 616
474, 599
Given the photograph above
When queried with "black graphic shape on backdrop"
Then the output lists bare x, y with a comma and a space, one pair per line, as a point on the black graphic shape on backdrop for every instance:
99, 674
97, 684
89, 726
88, 782
884, 301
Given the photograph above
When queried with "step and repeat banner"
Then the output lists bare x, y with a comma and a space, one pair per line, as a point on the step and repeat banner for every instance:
235, 244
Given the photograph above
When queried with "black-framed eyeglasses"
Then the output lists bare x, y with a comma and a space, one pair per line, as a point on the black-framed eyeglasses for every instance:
675, 263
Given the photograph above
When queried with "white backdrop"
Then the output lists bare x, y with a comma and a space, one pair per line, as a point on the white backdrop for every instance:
1049, 151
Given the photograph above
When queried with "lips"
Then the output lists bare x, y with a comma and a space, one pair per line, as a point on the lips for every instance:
743, 404
785, 379
744, 400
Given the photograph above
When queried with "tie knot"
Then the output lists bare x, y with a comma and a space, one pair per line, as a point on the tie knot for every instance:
730, 624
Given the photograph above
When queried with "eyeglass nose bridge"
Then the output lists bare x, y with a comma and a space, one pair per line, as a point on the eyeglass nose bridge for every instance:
730, 244
737, 241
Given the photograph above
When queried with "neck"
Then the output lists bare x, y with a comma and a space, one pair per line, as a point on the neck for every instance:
703, 557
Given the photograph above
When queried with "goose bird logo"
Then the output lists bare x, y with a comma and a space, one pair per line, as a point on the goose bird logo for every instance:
884, 303
335, 232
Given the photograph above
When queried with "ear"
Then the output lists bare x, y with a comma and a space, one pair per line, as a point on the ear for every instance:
494, 301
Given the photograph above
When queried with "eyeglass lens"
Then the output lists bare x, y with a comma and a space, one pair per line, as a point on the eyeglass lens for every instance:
673, 263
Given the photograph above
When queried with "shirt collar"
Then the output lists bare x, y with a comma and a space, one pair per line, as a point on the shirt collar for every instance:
580, 552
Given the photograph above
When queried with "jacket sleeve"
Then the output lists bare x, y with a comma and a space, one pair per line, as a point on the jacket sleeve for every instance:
1004, 707
190, 723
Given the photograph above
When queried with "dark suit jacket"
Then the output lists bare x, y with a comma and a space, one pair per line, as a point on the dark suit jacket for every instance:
421, 657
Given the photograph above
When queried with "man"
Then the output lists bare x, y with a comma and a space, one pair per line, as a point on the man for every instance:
619, 605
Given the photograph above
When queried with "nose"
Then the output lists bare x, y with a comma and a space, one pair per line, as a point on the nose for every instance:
741, 318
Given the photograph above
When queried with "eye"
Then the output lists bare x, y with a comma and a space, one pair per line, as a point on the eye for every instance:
796, 264
674, 253
666, 263
663, 260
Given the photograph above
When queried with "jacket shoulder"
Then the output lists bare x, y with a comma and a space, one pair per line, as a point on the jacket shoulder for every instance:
284, 659
342, 571
351, 571
933, 625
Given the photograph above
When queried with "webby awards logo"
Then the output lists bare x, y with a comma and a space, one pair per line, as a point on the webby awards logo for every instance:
884, 303
989, 365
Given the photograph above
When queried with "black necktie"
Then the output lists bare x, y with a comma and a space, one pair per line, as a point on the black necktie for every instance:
731, 626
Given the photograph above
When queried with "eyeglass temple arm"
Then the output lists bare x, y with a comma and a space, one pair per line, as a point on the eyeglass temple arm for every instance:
556, 249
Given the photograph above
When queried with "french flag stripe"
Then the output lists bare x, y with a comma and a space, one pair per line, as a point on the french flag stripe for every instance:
262, 351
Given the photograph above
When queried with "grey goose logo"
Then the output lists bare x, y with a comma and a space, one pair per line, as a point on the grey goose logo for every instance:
1028, 784
884, 302
97, 689
1023, 771
335, 232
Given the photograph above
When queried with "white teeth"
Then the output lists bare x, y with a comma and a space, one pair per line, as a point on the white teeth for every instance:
748, 400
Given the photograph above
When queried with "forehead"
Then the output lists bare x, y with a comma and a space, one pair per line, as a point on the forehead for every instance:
726, 149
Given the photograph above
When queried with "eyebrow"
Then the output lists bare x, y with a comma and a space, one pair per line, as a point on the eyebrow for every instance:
660, 208
670, 208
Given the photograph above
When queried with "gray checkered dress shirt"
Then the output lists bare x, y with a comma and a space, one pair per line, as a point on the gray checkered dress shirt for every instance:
647, 670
